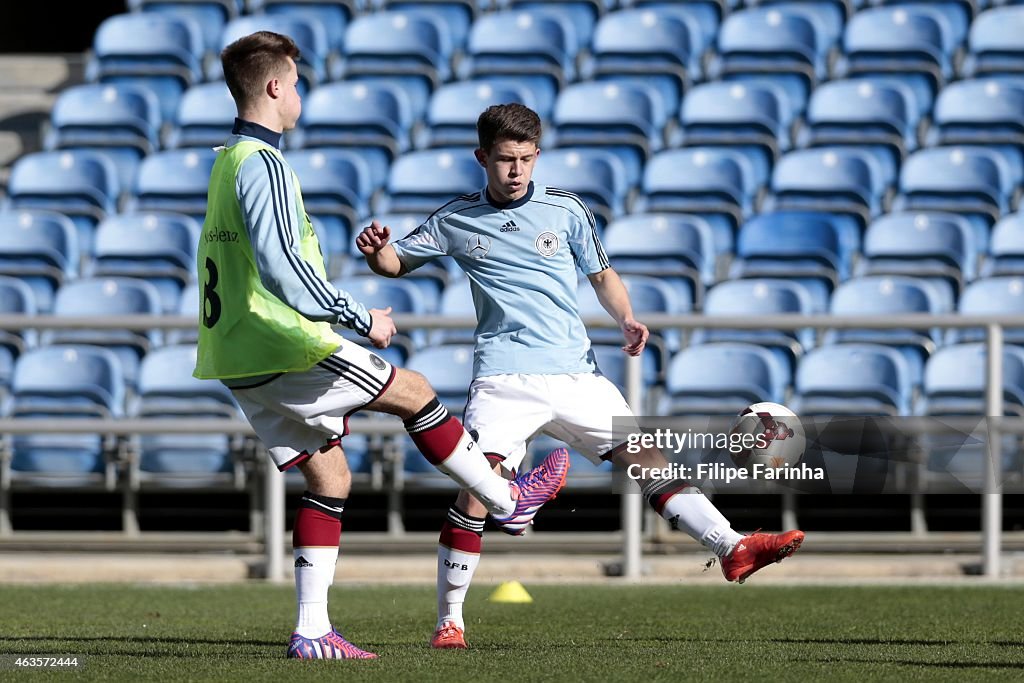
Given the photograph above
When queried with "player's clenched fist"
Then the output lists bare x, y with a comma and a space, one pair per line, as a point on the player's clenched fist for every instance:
373, 238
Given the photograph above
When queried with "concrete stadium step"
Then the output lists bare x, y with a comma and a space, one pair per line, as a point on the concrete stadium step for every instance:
45, 73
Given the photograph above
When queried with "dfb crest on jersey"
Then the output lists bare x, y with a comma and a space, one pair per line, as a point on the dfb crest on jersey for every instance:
477, 246
547, 244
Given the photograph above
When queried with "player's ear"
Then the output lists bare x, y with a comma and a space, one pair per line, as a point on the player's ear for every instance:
273, 88
481, 156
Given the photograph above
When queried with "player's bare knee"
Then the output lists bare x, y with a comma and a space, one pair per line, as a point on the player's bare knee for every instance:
408, 394
327, 473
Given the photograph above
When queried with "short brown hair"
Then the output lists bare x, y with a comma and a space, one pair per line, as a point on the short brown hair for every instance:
252, 60
514, 122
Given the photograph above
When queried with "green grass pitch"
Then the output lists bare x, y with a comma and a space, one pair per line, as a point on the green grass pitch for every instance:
570, 633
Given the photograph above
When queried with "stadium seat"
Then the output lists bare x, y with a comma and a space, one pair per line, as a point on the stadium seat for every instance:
205, 116
456, 300
852, 379
650, 46
934, 245
994, 45
59, 382
863, 111
761, 297
955, 384
404, 297
411, 49
16, 298
454, 109
122, 119
892, 296
1003, 295
626, 118
309, 35
81, 184
810, 246
1006, 249
431, 277
983, 111
836, 179
611, 363
678, 249
176, 180
717, 183
423, 181
735, 114
188, 305
167, 390
158, 247
104, 297
596, 175
161, 51
722, 379
210, 15
973, 181
456, 15
40, 248
333, 15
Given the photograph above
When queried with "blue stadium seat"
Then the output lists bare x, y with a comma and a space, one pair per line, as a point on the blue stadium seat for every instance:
626, 118
16, 298
175, 180
410, 48
611, 361
981, 111
333, 15
1006, 250
814, 247
424, 180
649, 46
431, 278
121, 118
994, 45
863, 111
736, 114
722, 379
60, 382
596, 175
210, 15
907, 39
454, 109
892, 296
41, 249
168, 390
204, 118
404, 297
782, 39
309, 35
158, 247
188, 305
81, 184
707, 14
457, 15
852, 379
1001, 295
954, 381
975, 181
104, 297
678, 249
336, 188
161, 51
758, 297
935, 245
455, 300
717, 183
837, 179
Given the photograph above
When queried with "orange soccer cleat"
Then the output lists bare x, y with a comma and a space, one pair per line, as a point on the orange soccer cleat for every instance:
759, 550
448, 637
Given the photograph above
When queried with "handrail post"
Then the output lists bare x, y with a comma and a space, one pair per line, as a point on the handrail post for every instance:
631, 503
992, 497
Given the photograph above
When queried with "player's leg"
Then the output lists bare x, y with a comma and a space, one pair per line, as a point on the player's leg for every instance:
503, 412
684, 506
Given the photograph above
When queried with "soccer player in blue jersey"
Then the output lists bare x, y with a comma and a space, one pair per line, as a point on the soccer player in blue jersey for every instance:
266, 332
520, 245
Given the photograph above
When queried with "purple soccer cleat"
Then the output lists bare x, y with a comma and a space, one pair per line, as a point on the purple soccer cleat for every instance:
536, 487
330, 646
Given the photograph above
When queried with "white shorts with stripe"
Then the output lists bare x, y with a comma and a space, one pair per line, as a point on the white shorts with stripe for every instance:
506, 411
297, 413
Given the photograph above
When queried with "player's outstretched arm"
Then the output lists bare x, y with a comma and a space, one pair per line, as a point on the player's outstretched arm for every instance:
380, 256
613, 296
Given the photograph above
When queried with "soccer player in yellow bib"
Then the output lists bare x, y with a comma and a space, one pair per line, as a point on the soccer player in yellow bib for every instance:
267, 312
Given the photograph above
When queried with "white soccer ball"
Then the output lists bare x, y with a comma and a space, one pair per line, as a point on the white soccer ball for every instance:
768, 434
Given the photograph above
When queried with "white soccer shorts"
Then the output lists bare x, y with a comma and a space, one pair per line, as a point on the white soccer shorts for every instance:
506, 411
298, 413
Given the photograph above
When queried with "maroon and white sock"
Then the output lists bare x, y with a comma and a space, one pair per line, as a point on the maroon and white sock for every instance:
446, 445
458, 554
315, 541
688, 509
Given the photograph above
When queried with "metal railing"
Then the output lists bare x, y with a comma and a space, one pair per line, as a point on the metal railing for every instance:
631, 504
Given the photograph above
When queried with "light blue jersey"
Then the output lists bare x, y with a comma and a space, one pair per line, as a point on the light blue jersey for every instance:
521, 259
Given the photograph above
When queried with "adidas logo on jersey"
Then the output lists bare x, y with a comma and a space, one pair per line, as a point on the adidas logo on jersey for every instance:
509, 227
302, 562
